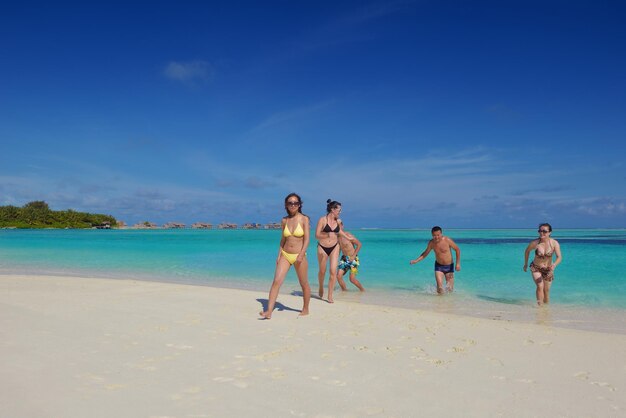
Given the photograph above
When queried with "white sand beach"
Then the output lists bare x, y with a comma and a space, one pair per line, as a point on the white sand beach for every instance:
83, 347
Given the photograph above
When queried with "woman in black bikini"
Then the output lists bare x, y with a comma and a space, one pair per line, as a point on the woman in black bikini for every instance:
328, 229
542, 268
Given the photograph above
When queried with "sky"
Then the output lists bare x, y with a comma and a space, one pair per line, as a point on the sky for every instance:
464, 114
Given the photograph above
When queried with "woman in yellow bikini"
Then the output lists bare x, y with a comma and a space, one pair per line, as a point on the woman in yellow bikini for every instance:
292, 251
542, 268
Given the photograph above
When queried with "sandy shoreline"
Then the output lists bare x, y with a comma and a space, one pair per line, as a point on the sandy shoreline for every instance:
74, 347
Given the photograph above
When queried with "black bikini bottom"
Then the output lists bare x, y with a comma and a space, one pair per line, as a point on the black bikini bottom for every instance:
328, 250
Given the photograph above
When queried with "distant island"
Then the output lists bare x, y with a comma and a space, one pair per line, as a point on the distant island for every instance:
38, 214
200, 225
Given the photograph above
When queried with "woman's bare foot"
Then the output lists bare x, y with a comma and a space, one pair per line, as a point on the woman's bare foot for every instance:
266, 315
304, 312
320, 292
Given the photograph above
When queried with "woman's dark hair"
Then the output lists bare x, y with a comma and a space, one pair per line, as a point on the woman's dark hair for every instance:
546, 224
331, 204
299, 200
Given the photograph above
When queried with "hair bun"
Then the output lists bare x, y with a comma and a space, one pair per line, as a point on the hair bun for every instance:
328, 201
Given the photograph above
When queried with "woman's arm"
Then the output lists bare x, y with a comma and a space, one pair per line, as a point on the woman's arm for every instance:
557, 251
306, 238
532, 245
318, 229
282, 237
341, 233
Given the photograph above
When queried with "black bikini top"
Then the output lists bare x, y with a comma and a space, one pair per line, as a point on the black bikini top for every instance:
327, 227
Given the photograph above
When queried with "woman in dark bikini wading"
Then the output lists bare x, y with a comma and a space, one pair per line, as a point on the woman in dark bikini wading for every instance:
542, 268
292, 250
327, 231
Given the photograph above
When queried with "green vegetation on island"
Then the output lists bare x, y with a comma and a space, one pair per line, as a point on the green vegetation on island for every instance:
38, 214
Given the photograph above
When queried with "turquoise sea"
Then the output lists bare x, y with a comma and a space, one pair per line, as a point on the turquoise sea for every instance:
589, 291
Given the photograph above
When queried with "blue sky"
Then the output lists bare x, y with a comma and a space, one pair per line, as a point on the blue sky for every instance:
410, 113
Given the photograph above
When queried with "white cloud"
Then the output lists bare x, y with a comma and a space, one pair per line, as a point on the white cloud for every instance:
286, 117
353, 26
600, 206
466, 186
189, 72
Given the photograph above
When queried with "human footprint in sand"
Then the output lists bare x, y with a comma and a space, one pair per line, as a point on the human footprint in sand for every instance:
542, 268
444, 265
350, 247
292, 251
327, 233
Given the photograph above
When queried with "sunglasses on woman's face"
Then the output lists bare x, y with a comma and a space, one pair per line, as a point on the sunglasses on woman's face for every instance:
543, 231
293, 204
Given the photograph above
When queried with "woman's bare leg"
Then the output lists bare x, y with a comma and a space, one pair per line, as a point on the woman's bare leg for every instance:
546, 291
302, 270
321, 274
334, 261
282, 267
342, 284
539, 291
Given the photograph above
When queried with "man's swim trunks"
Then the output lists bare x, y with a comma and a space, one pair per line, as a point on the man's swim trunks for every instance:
444, 268
346, 265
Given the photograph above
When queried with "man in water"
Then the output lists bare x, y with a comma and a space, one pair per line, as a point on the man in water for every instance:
444, 265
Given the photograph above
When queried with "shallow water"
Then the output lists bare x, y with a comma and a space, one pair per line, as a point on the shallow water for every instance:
589, 291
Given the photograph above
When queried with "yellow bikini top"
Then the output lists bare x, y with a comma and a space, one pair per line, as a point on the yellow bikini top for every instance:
298, 232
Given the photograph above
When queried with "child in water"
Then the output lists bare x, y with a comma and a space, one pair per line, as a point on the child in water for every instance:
350, 248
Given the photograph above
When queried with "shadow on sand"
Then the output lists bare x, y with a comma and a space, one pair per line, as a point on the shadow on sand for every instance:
313, 296
277, 307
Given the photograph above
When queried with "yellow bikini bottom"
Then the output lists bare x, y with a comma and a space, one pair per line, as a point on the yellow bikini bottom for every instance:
290, 257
